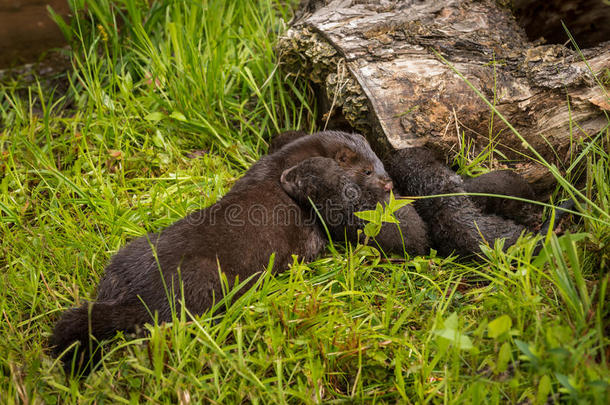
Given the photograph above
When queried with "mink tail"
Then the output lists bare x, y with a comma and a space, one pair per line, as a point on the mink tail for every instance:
86, 326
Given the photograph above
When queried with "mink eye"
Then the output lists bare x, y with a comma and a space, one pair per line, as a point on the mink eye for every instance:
368, 172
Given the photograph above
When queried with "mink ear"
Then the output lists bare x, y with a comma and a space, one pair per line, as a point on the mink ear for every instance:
344, 155
285, 173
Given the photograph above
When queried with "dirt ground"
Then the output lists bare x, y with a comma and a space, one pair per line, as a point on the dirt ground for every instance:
27, 31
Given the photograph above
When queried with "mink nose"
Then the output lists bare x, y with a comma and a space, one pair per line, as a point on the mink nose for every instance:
388, 185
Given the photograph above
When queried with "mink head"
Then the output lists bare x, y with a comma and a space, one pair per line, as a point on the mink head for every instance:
355, 156
351, 152
336, 191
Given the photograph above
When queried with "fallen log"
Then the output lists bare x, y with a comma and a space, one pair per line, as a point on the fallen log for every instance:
377, 67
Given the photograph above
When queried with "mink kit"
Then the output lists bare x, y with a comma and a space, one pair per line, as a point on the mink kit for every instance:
455, 224
337, 194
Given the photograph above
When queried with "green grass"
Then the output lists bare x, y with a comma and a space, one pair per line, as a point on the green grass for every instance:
161, 115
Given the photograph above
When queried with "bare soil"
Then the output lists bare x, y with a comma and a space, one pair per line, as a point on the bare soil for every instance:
27, 31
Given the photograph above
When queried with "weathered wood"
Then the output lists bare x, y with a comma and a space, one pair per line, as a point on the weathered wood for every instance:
375, 66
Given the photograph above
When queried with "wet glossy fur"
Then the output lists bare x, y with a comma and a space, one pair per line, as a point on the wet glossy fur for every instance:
239, 233
456, 224
338, 193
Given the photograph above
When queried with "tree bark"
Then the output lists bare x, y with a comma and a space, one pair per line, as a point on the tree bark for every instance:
375, 66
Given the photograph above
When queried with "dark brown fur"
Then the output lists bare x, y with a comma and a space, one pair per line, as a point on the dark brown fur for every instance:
338, 193
455, 224
504, 182
284, 138
239, 233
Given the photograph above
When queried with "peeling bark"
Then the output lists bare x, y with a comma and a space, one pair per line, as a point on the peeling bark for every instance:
374, 65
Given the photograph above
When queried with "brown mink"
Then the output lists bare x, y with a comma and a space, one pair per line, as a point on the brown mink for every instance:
179, 265
454, 224
284, 138
337, 193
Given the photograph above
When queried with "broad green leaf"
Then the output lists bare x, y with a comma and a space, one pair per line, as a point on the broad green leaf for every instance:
155, 116
388, 217
395, 204
371, 229
544, 389
503, 358
451, 333
499, 326
178, 116
460, 340
370, 216
451, 322
565, 381
525, 349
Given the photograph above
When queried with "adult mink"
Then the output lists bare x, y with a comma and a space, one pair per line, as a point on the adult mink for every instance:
239, 233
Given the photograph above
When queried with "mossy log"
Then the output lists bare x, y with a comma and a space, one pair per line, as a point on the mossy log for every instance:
377, 68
